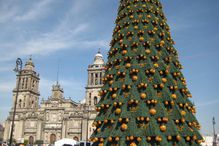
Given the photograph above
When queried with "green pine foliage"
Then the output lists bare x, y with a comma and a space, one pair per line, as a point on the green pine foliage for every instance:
144, 100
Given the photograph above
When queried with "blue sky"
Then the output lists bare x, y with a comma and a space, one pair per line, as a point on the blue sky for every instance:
71, 31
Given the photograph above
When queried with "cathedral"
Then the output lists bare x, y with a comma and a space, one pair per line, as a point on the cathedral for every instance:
56, 117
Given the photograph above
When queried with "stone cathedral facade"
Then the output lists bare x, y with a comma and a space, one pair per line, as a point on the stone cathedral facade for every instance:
56, 117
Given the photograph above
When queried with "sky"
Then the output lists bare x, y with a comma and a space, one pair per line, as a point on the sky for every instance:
70, 32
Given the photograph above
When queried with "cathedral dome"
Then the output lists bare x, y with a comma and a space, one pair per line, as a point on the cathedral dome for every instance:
29, 65
98, 60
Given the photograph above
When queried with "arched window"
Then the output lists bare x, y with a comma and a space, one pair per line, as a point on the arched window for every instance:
96, 79
20, 103
95, 100
89, 98
32, 104
92, 79
101, 78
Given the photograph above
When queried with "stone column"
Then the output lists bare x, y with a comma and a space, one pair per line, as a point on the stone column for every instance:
89, 79
39, 131
94, 78
84, 127
64, 129
7, 126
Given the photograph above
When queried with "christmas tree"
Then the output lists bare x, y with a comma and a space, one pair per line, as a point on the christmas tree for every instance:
144, 100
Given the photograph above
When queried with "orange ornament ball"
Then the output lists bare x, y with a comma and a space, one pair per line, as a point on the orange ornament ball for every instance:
148, 51
133, 144
183, 113
128, 65
158, 138
131, 137
153, 111
188, 138
174, 96
114, 96
183, 120
156, 65
148, 138
141, 39
143, 95
95, 139
178, 137
134, 78
124, 52
163, 128
165, 119
111, 82
105, 121
101, 139
124, 127
117, 138
169, 137
139, 139
136, 27
110, 139
118, 111
164, 80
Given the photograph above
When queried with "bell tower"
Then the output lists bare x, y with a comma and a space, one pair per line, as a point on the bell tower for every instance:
94, 83
28, 92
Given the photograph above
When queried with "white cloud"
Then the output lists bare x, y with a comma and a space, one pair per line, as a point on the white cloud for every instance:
38, 10
208, 103
7, 86
70, 33
8, 11
5, 68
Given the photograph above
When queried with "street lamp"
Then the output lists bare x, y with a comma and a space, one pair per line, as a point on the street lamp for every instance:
18, 70
215, 136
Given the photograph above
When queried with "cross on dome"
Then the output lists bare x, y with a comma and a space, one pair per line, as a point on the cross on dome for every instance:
98, 60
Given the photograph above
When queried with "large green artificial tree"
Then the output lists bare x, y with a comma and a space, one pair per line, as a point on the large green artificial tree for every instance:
144, 100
